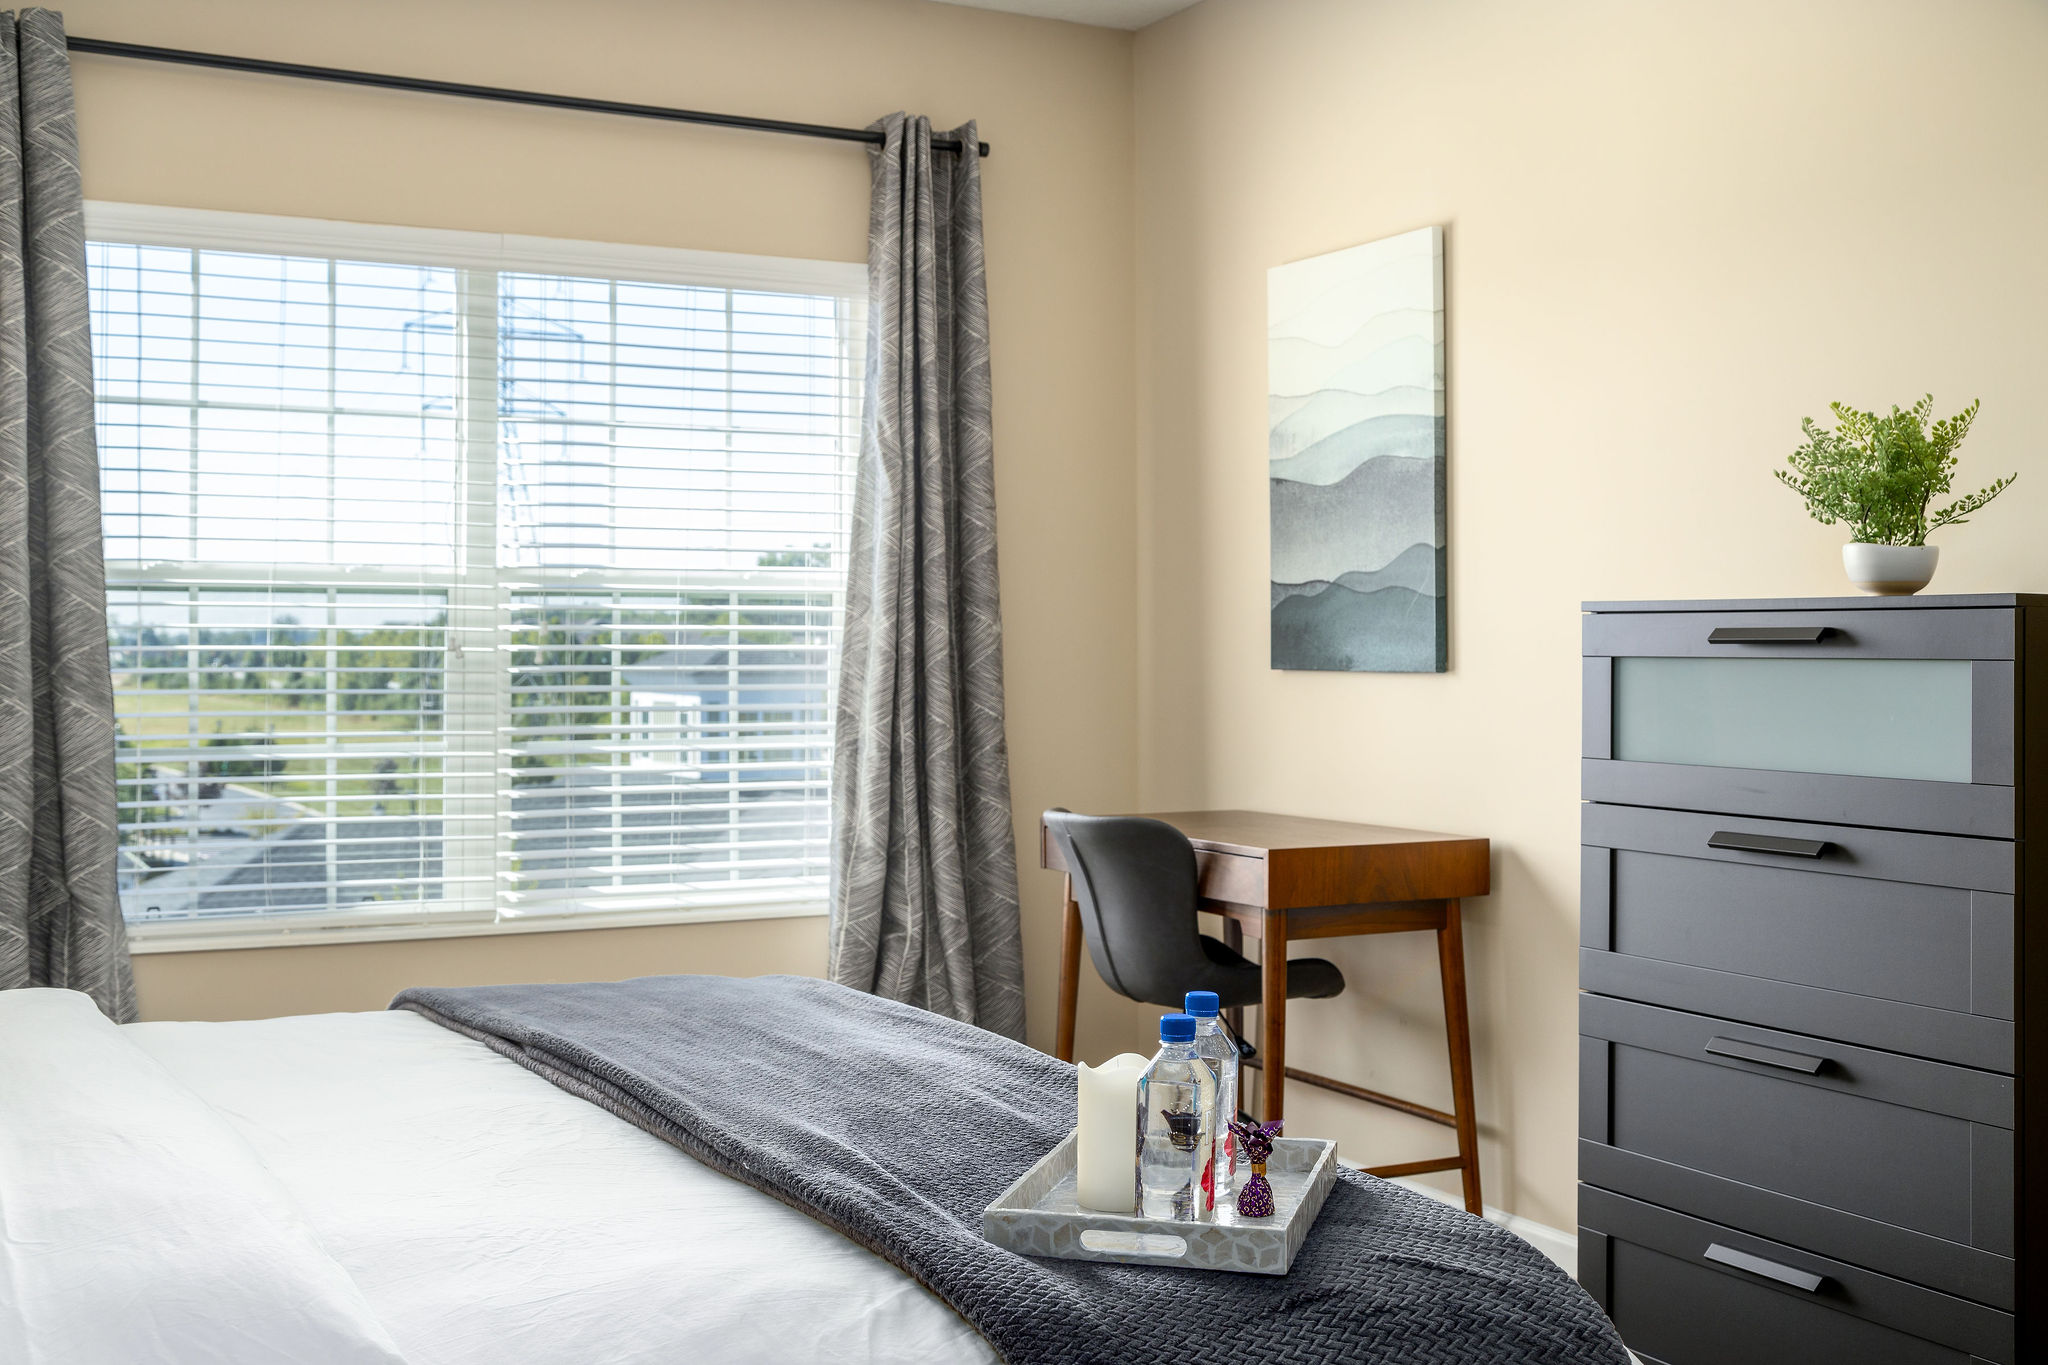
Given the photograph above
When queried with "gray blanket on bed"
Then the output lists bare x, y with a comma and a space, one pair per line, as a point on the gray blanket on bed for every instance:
898, 1127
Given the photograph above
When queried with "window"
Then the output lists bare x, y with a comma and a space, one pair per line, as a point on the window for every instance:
460, 580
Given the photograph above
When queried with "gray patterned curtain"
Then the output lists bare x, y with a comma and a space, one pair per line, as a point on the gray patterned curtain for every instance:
924, 896
60, 916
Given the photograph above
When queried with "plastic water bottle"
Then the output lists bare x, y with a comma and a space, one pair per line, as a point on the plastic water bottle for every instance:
1176, 1127
1220, 1051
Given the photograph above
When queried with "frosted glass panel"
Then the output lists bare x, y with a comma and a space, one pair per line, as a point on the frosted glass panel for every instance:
1858, 717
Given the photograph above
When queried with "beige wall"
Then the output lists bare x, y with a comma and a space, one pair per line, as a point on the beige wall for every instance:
1671, 230
1053, 99
258, 983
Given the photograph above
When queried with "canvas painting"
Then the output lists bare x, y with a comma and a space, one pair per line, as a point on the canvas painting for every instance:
1355, 378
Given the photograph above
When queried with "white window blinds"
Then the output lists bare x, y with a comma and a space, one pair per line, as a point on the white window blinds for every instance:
444, 588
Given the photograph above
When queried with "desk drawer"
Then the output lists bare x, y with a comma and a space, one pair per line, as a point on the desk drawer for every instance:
1683, 1291
1896, 940
1917, 1146
1903, 719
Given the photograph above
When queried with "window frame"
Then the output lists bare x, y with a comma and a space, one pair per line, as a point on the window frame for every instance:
467, 253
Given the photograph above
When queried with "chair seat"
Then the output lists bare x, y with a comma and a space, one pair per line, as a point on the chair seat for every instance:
1238, 982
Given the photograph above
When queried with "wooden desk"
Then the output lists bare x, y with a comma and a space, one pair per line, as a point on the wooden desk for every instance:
1279, 878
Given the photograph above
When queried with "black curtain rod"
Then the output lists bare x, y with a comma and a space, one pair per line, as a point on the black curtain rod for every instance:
99, 47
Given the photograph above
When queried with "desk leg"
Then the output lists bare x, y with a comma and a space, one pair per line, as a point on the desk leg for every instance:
1070, 973
1273, 1014
1233, 939
1450, 947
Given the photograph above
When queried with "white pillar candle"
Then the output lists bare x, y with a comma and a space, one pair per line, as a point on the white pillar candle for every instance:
1106, 1141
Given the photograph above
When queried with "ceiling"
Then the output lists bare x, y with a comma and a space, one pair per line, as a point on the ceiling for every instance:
1102, 13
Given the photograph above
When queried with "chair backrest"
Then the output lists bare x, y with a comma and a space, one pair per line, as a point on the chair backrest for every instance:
1134, 880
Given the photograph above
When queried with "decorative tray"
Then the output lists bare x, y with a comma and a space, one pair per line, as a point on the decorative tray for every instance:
1039, 1216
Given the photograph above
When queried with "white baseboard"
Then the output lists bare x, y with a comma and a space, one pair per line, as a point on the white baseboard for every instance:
1561, 1247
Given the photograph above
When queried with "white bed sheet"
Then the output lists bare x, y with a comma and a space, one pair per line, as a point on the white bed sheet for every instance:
137, 1227
490, 1218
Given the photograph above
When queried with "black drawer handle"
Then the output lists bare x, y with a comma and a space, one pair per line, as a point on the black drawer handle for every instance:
1767, 1056
1770, 1270
1768, 635
1767, 843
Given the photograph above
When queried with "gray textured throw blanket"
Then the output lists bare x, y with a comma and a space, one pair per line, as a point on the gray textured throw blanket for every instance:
898, 1127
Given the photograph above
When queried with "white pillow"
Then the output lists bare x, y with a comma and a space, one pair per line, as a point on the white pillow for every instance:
138, 1226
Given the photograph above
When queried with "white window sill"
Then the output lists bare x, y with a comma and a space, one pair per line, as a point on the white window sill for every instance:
281, 933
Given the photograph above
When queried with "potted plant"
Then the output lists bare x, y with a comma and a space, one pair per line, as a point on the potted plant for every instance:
1881, 474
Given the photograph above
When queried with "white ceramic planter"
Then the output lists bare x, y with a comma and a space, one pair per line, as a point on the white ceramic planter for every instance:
1890, 570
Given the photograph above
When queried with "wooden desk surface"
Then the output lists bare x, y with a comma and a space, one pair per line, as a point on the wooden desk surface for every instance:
1286, 862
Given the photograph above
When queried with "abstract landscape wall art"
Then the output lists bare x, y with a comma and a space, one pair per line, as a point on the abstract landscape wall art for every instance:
1355, 356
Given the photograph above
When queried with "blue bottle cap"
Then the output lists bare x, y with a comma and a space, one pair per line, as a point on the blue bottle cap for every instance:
1204, 1004
1176, 1028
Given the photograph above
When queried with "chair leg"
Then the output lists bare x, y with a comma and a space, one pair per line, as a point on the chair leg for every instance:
1450, 945
1070, 974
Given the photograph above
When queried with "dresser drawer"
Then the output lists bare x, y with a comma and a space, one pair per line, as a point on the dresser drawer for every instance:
1683, 1291
1916, 1153
1965, 1272
1742, 632
1903, 719
1896, 940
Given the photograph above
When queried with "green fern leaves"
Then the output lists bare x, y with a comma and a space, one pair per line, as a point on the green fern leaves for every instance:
1880, 473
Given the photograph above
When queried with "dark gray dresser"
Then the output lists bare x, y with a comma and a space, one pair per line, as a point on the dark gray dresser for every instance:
1810, 999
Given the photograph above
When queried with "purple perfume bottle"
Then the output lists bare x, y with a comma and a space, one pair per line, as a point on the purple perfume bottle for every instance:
1255, 1144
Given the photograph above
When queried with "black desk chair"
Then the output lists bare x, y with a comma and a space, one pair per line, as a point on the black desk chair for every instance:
1134, 880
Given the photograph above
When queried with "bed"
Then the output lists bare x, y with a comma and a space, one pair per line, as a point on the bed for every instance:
381, 1187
